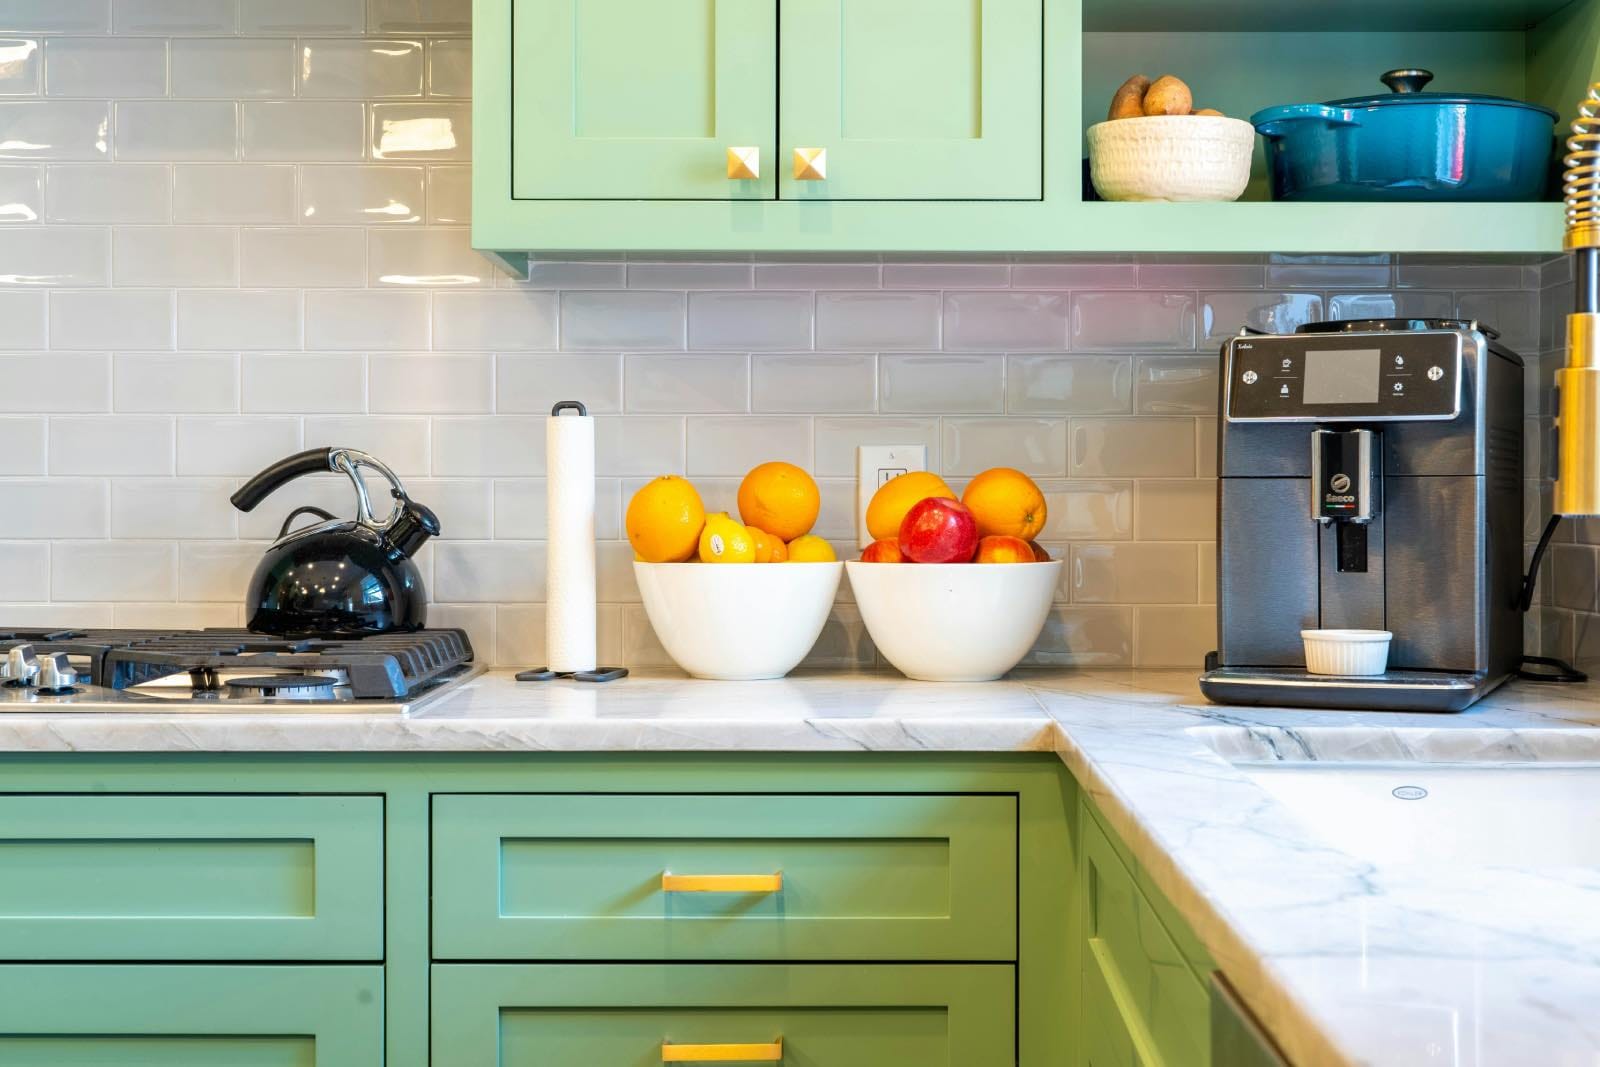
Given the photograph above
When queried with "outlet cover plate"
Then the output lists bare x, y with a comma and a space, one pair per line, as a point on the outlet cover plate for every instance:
876, 464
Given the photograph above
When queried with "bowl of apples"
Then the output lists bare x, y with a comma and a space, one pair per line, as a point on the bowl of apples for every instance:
955, 589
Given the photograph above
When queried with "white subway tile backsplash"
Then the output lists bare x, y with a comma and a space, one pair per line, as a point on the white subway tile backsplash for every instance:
56, 508
726, 444
1202, 271
361, 194
1069, 385
234, 68
1081, 509
23, 313
21, 193
803, 274
1005, 321
366, 319
495, 321
533, 384
22, 445
614, 320
1184, 510
1089, 636
952, 274
238, 319
216, 570
174, 382
95, 192
56, 16
554, 273
1144, 447
19, 66
56, 382
113, 570
303, 382
39, 255
489, 571
1176, 385
450, 204
177, 130
1405, 303
837, 439
935, 383
111, 445
638, 445
430, 382
172, 508
1319, 271
1132, 320
1174, 636
359, 69
174, 255
276, 17
419, 16
432, 131
216, 446
55, 129
25, 570
1076, 272
302, 256
685, 382
877, 320
1223, 314
173, 17
804, 382
1133, 573
437, 258
402, 442
486, 446
174, 615
450, 66
110, 318
1514, 312
1038, 446
105, 66
1460, 272
690, 274
301, 129
233, 193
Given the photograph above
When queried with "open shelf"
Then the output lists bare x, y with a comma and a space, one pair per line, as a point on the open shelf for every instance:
1268, 16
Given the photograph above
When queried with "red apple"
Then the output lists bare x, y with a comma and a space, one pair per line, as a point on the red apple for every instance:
885, 551
939, 530
1003, 548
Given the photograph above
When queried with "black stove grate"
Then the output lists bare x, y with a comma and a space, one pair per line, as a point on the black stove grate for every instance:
382, 666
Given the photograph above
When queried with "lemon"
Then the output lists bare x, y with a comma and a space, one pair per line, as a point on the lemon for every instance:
811, 549
725, 540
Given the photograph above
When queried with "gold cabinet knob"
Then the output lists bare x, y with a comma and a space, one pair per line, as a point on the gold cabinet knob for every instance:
810, 164
744, 162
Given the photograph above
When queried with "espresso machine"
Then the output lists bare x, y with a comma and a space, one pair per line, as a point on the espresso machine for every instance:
1370, 478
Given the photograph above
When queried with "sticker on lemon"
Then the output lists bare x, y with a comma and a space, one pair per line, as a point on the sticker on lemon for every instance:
888, 507
811, 549
780, 499
726, 540
1006, 503
664, 520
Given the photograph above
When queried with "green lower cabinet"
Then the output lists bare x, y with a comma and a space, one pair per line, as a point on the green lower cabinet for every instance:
95, 1015
813, 1015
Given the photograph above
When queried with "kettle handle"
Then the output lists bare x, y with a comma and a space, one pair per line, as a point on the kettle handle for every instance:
317, 461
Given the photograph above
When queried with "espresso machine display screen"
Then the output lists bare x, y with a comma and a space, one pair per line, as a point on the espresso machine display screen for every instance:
1346, 377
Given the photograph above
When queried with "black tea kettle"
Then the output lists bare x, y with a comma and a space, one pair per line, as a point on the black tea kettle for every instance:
338, 577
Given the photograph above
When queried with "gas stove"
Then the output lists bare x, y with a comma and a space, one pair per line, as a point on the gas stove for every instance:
227, 671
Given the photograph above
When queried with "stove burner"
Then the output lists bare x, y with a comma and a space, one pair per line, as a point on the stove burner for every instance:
284, 686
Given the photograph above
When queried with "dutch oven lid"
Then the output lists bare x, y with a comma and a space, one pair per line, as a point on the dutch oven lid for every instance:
1405, 87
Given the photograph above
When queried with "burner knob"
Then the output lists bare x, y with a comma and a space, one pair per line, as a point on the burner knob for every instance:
20, 667
55, 673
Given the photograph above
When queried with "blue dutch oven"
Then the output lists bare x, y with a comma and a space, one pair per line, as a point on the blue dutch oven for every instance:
1408, 145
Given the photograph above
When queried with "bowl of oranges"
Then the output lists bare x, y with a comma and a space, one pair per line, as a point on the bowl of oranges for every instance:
955, 588
715, 616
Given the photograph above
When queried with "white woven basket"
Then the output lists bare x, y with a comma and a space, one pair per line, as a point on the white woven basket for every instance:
1171, 157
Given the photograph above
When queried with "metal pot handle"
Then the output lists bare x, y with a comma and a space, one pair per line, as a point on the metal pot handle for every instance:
1406, 79
350, 461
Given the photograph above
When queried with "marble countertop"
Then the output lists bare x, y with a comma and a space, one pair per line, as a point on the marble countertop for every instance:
1345, 960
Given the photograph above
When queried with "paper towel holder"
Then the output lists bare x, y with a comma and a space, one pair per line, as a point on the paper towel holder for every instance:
598, 674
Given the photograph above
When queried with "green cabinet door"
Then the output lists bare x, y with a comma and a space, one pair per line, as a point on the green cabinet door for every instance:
130, 877
638, 99
602, 1015
94, 1015
913, 99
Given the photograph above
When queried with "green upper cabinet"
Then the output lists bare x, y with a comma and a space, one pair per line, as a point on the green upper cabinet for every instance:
622, 99
913, 99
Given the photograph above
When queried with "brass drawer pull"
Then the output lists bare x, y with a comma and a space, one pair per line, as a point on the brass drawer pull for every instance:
721, 883
772, 1053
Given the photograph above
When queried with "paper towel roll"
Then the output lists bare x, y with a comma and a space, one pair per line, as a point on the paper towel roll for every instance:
570, 594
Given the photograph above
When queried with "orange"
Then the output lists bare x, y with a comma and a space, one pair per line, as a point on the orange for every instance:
894, 498
726, 541
1006, 502
664, 520
764, 542
811, 549
781, 499
780, 551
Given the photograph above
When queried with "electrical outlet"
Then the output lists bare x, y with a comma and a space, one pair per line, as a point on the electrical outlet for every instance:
876, 464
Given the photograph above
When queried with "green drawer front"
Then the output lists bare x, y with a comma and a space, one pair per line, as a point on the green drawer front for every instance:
863, 877
1165, 1008
84, 1015
1108, 1039
191, 878
600, 1015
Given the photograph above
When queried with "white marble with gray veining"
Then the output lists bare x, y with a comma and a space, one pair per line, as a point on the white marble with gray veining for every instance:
1347, 962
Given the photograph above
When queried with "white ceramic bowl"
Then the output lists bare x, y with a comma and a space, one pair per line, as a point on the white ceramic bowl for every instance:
1358, 652
738, 621
1171, 157
954, 622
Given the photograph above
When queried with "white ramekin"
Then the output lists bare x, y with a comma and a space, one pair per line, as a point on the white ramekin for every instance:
1349, 652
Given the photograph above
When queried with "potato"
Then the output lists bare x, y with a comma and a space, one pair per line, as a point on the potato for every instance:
1129, 101
1207, 111
1168, 96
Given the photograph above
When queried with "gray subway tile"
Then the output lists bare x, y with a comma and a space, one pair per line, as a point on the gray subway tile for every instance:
937, 383
1005, 321
1132, 320
55, 129
172, 130
878, 320
749, 320
806, 382
622, 319
1223, 314
1060, 384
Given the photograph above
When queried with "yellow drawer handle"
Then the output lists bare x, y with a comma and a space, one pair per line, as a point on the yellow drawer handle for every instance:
721, 883
772, 1053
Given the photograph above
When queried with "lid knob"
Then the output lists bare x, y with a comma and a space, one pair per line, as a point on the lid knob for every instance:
1406, 79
